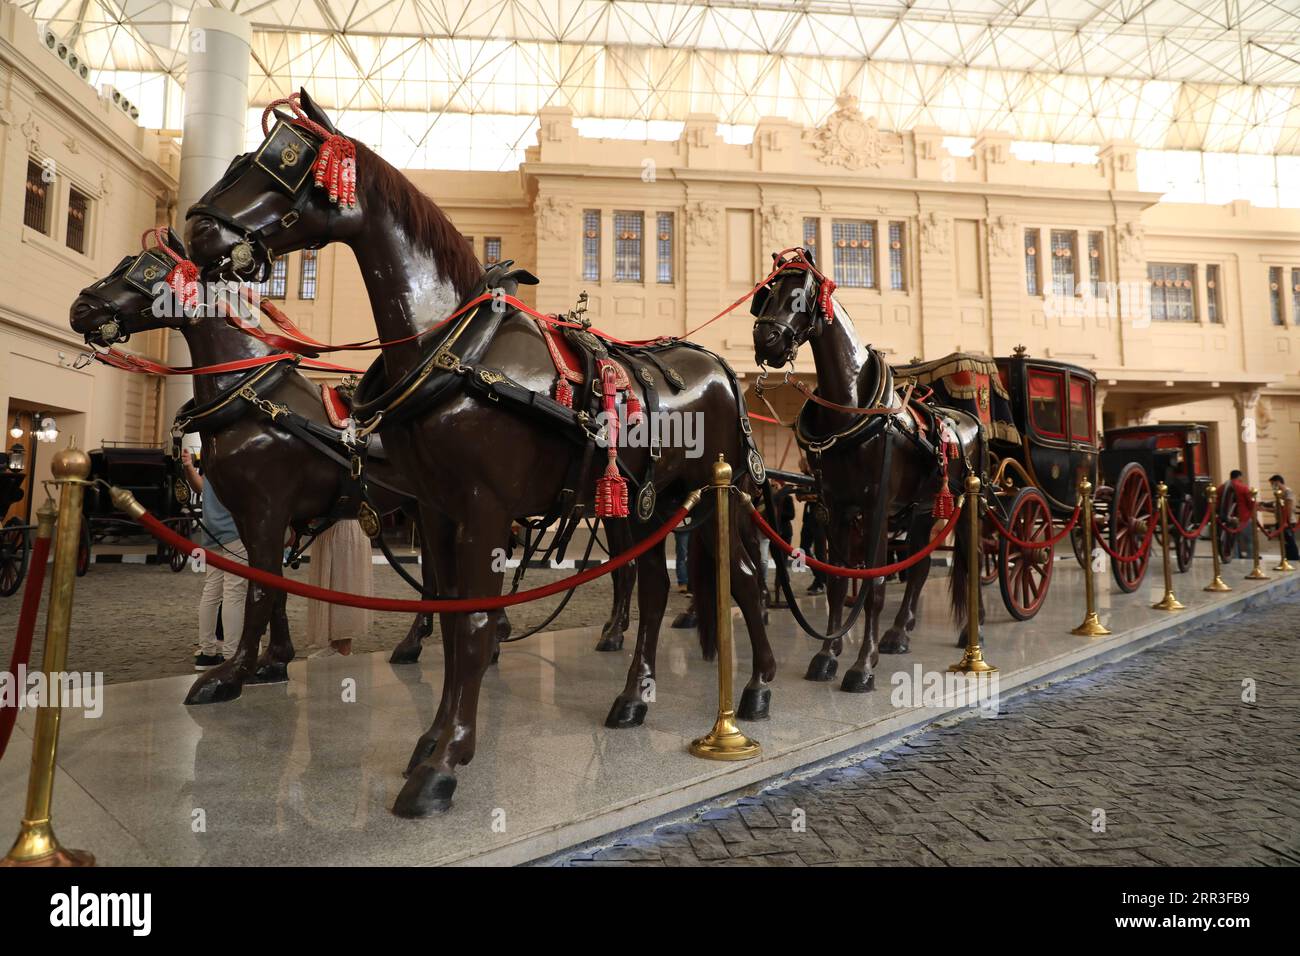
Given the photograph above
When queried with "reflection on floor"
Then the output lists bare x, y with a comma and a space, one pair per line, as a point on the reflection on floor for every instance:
300, 773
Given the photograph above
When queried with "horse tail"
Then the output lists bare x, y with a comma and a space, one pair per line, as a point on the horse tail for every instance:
704, 589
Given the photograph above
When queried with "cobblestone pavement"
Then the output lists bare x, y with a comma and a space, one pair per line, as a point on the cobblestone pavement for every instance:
1186, 772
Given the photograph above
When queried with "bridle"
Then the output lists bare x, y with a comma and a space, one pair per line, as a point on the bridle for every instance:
823, 307
154, 264
291, 152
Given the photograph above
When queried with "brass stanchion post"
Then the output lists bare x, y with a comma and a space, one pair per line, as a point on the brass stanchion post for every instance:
1091, 626
973, 662
725, 741
1279, 509
1168, 602
36, 844
1256, 572
1212, 494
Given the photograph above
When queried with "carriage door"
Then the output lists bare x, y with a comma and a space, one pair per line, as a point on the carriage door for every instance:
1082, 428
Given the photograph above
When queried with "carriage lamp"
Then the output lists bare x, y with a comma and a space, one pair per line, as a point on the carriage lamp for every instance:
17, 454
45, 428
16, 429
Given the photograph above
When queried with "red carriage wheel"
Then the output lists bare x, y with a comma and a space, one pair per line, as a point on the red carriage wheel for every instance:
1025, 573
1132, 512
1185, 547
83, 549
13, 556
1076, 542
1228, 517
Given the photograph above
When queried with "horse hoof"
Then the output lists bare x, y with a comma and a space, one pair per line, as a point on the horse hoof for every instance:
270, 672
610, 642
894, 642
754, 703
426, 791
686, 619
406, 654
423, 751
211, 689
858, 681
626, 713
496, 656
822, 668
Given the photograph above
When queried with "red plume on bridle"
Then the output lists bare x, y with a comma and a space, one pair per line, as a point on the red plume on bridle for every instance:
825, 284
336, 163
183, 279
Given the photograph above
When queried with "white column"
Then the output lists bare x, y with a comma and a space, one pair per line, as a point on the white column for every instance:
216, 110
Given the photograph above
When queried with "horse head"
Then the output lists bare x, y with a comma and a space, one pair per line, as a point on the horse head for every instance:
295, 191
156, 288
792, 306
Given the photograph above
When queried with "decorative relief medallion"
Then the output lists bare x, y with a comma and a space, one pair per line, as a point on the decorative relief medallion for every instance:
553, 217
1002, 236
850, 140
1130, 241
936, 233
703, 222
780, 227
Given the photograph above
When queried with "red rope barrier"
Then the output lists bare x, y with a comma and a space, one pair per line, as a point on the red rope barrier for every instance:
1179, 528
1100, 540
838, 571
1035, 545
451, 606
26, 627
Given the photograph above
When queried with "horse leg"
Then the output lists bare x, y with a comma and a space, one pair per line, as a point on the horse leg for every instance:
897, 638
611, 635
861, 677
749, 588
273, 665
630, 707
408, 649
823, 666
226, 681
432, 781
439, 568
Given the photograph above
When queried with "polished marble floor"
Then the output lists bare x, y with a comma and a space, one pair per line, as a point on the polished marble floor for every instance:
304, 772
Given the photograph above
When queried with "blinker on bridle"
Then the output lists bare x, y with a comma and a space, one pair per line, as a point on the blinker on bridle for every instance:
291, 152
823, 304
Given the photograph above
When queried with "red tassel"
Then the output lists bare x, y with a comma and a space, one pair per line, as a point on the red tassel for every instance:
633, 409
611, 489
184, 283
943, 503
824, 300
336, 169
564, 393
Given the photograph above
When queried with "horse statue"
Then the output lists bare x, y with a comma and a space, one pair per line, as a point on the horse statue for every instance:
885, 462
480, 425
273, 479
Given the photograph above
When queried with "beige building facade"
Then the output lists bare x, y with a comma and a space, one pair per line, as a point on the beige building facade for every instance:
1185, 312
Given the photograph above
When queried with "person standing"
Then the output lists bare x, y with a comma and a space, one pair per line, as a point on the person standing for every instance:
340, 561
1288, 516
223, 593
681, 545
1245, 514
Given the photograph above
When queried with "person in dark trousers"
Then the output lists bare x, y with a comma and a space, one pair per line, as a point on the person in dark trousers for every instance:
681, 545
1245, 514
1287, 517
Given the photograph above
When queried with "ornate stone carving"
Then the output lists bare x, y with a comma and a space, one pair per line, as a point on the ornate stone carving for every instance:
936, 233
1002, 236
703, 223
554, 217
32, 133
848, 139
105, 186
780, 227
71, 145
1130, 241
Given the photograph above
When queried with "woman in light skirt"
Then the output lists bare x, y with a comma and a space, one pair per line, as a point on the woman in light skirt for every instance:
340, 561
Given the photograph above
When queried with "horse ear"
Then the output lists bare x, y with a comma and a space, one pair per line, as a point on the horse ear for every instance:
174, 240
314, 112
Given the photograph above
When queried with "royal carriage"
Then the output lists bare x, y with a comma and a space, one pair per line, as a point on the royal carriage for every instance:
1176, 455
14, 535
1039, 416
154, 477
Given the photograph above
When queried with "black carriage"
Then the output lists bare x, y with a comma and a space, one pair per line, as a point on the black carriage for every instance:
14, 543
155, 478
1176, 455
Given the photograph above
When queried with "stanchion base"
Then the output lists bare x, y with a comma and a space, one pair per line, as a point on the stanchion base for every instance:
38, 846
1091, 626
1218, 584
1285, 566
725, 742
973, 664
1257, 575
1168, 603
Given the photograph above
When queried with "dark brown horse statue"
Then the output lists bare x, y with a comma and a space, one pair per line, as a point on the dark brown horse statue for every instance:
870, 469
271, 480
467, 414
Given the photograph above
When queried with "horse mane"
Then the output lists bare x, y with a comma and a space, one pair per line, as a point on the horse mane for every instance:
421, 218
